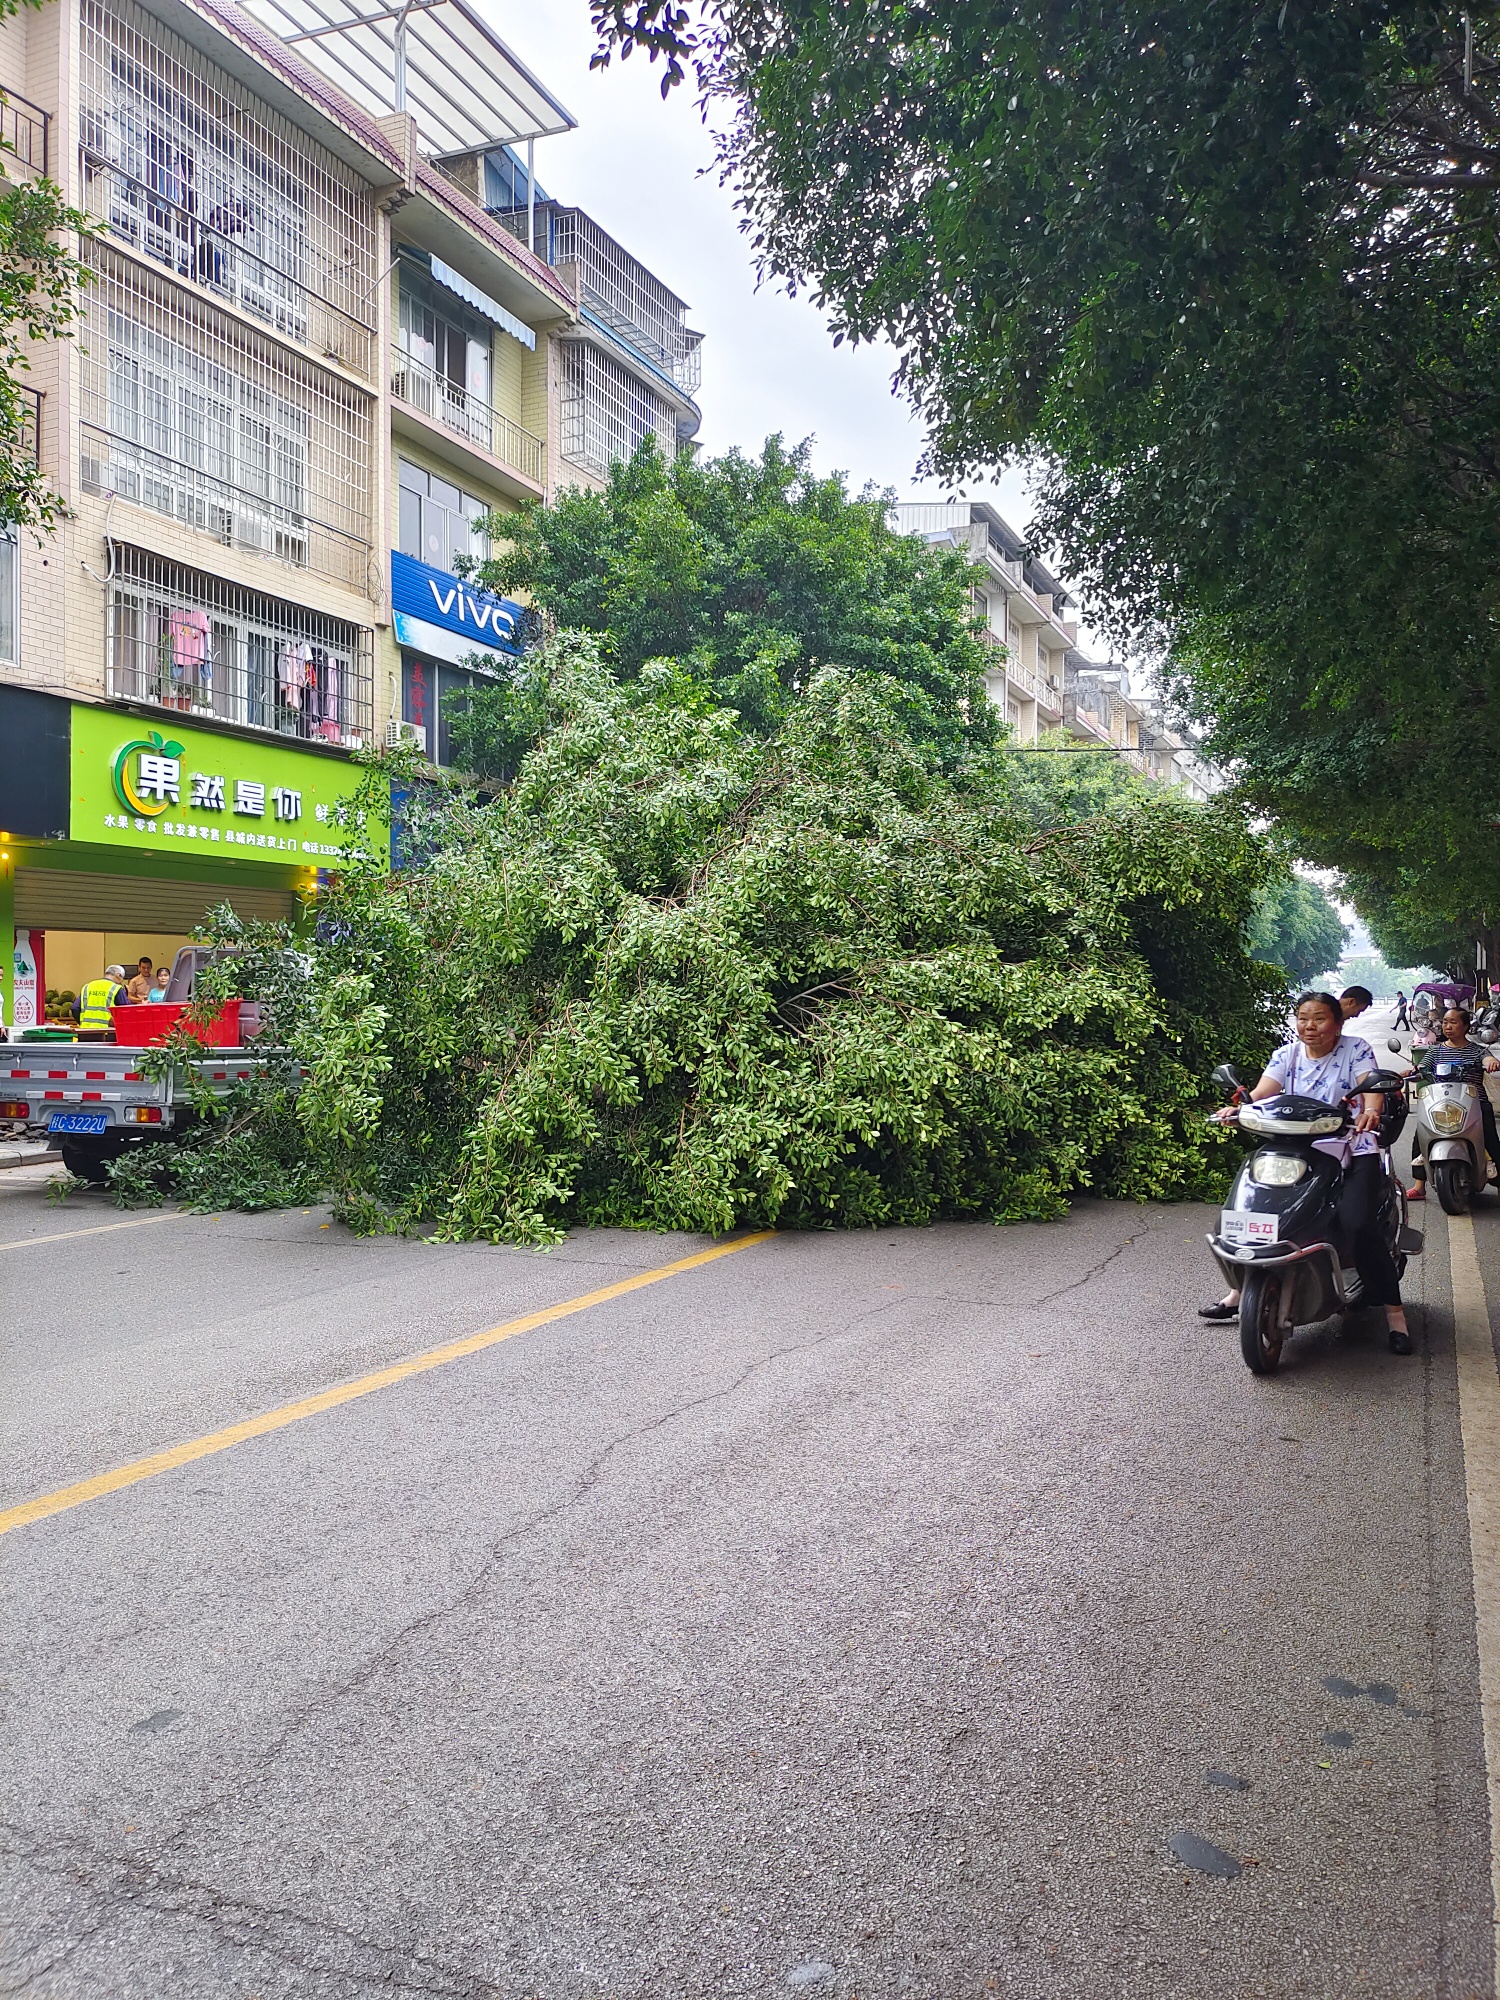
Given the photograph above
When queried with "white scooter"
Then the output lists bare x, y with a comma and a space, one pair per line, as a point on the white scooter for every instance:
1447, 1092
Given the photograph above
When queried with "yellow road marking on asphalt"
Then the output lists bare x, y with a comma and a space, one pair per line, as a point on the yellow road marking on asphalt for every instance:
347, 1392
98, 1229
1479, 1423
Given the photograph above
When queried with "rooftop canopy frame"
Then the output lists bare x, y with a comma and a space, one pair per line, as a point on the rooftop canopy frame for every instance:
437, 59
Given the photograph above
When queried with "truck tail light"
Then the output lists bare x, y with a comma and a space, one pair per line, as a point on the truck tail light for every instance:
144, 1114
21, 1110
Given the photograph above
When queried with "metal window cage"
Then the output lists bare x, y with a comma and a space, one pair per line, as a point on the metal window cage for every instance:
191, 414
194, 141
618, 287
606, 411
181, 639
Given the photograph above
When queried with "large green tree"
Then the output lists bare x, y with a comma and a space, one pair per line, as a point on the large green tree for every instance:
1228, 272
751, 574
681, 975
1293, 925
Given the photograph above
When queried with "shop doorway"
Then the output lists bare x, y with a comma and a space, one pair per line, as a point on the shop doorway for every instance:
68, 959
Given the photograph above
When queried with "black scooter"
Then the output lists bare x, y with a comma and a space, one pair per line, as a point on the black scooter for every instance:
1276, 1237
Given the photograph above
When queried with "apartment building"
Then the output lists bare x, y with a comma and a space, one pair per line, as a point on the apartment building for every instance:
311, 365
1040, 680
1029, 621
629, 365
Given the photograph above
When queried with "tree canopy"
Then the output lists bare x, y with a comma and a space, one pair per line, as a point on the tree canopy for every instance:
751, 573
1293, 925
1228, 275
682, 975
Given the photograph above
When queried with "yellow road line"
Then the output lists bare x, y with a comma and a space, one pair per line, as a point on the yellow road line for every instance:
98, 1229
1479, 1423
346, 1392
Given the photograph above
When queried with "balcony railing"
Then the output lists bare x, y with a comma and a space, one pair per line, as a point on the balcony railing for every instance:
185, 640
24, 130
30, 439
1031, 683
238, 519
616, 287
458, 409
221, 263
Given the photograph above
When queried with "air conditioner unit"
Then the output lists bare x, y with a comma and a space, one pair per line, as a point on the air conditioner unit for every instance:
252, 531
398, 732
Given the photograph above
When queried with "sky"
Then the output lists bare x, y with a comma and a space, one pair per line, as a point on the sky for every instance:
769, 363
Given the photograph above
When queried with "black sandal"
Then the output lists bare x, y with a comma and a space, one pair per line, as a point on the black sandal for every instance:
1218, 1311
1401, 1341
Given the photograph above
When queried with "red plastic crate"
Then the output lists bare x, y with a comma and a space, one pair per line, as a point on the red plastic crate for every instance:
144, 1026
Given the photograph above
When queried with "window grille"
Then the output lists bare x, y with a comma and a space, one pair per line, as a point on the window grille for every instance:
190, 170
24, 130
618, 287
184, 640
192, 415
607, 411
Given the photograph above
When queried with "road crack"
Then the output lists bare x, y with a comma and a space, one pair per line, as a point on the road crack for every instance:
302, 1943
356, 1682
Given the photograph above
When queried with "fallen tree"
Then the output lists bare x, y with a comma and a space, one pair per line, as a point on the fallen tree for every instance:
683, 976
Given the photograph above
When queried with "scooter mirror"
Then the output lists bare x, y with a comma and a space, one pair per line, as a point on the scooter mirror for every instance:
1226, 1077
1394, 1046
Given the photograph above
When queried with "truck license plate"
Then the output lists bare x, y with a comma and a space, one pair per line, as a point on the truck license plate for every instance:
78, 1121
1238, 1227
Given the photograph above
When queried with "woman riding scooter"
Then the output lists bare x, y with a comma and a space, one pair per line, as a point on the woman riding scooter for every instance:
1326, 1063
1456, 1042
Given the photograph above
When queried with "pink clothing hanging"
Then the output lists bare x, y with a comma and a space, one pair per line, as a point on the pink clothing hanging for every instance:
188, 630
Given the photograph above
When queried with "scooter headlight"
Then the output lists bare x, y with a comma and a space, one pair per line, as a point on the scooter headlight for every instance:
1447, 1118
1277, 1169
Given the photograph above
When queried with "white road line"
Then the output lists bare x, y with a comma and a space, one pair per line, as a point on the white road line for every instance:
99, 1229
1479, 1421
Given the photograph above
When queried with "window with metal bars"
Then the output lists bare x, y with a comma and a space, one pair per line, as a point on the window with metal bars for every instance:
190, 414
617, 286
184, 165
606, 411
185, 640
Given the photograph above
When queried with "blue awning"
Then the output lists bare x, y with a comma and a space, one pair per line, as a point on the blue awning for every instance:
488, 308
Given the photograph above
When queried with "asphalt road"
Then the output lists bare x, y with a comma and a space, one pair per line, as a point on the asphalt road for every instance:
851, 1616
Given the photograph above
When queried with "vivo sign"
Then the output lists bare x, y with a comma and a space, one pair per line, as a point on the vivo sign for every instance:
442, 616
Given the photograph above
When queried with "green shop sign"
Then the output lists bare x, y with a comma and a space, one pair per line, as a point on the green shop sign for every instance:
180, 791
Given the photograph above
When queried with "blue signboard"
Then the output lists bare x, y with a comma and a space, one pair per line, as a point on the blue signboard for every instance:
446, 618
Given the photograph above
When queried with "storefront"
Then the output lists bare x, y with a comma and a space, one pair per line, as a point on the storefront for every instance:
453, 638
121, 830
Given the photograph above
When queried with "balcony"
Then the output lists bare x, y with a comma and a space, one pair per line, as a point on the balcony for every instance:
24, 130
1025, 679
181, 639
617, 288
235, 517
468, 416
221, 262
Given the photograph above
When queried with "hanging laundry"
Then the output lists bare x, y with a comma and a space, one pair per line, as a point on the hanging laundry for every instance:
317, 665
291, 672
188, 629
